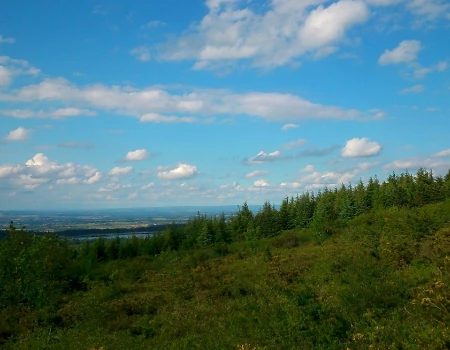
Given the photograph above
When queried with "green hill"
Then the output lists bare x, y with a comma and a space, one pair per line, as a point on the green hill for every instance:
364, 267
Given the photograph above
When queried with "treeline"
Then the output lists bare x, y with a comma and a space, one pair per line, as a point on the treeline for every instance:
322, 212
108, 231
41, 272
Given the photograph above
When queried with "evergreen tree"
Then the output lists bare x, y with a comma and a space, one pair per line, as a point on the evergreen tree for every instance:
205, 237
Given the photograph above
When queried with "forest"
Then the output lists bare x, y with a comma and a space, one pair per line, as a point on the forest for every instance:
361, 266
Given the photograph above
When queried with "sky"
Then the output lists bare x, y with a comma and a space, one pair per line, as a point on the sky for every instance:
114, 104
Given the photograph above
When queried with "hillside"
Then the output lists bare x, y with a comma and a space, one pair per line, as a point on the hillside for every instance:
348, 277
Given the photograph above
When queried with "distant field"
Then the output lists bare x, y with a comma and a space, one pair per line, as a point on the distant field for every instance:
57, 221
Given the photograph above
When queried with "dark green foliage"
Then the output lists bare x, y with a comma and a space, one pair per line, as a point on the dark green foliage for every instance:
379, 279
34, 270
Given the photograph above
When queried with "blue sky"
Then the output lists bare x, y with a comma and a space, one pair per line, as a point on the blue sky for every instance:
144, 103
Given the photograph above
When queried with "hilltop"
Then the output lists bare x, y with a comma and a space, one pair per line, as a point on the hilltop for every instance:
356, 267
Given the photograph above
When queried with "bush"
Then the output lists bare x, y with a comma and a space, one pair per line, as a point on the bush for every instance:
38, 270
290, 239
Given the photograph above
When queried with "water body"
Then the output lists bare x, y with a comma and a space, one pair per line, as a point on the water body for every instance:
111, 236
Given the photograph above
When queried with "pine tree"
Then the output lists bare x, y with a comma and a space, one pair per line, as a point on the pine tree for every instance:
205, 237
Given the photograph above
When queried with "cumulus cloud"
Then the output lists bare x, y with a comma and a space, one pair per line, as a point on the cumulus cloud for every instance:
41, 170
416, 89
313, 180
70, 181
94, 178
158, 118
120, 171
286, 31
412, 164
429, 9
7, 170
150, 104
260, 183
405, 52
263, 157
142, 53
383, 2
114, 187
181, 172
361, 148
444, 153
60, 113
148, 186
19, 134
10, 67
5, 76
137, 155
289, 126
308, 169
256, 173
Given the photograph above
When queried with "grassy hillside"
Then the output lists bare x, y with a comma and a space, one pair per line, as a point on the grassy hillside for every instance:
377, 280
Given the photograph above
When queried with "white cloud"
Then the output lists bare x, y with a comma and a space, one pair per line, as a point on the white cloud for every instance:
325, 25
308, 169
315, 179
7, 170
157, 118
182, 171
94, 178
4, 40
148, 103
114, 187
70, 181
294, 144
40, 170
361, 148
132, 195
429, 9
153, 24
5, 76
413, 164
289, 126
383, 2
263, 157
256, 173
142, 53
405, 52
413, 89
28, 181
10, 67
442, 66
420, 72
148, 186
137, 155
286, 31
19, 134
444, 153
260, 183
119, 171
60, 113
